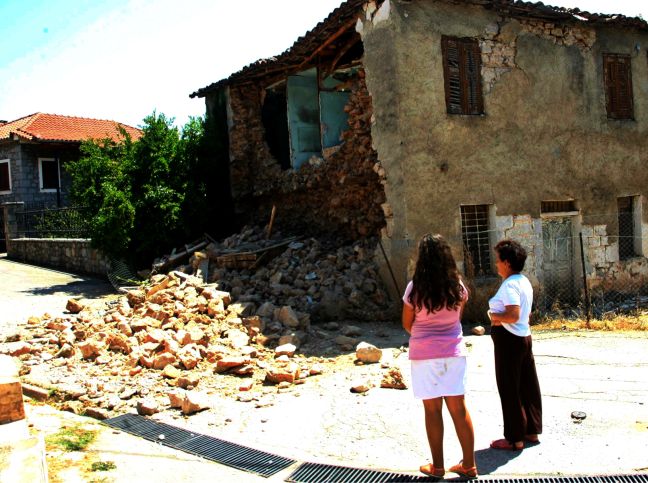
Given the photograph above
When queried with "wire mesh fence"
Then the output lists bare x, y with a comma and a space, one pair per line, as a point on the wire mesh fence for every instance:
69, 222
576, 275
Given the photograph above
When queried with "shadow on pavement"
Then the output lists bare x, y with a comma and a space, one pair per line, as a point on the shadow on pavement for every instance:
88, 288
489, 460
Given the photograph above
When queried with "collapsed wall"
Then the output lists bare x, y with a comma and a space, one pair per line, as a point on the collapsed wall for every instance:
339, 194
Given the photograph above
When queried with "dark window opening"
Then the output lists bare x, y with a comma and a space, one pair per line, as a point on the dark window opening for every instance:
476, 240
618, 86
5, 182
49, 174
558, 206
626, 228
462, 75
275, 122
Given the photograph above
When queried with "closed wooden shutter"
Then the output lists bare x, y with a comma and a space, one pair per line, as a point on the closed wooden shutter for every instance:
462, 75
618, 86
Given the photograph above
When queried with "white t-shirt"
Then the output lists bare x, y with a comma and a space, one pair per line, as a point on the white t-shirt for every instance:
515, 290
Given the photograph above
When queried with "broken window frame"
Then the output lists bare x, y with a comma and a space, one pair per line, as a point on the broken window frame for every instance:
5, 166
476, 240
617, 78
462, 75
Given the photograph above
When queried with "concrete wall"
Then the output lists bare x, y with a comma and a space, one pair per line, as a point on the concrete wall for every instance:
544, 135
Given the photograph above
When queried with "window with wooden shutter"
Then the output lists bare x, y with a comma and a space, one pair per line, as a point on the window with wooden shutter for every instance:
618, 86
462, 75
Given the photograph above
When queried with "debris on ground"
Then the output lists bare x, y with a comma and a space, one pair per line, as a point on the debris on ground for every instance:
204, 329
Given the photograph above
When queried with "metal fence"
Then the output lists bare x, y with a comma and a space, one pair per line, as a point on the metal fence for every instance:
69, 222
590, 274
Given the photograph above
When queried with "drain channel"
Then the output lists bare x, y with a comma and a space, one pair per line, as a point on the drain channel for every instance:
320, 473
214, 449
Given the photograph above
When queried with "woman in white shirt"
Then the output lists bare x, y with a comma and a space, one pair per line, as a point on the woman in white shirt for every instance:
515, 371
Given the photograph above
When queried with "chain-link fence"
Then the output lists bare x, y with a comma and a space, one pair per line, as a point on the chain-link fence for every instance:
577, 271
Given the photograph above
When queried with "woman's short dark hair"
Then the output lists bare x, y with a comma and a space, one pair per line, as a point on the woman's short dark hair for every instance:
512, 252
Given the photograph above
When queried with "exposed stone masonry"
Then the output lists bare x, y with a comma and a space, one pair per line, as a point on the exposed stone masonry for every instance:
75, 255
499, 50
340, 195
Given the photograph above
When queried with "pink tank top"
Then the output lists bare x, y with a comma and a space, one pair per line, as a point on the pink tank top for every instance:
437, 334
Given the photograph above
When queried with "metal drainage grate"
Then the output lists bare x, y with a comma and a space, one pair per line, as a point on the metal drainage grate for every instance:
214, 449
319, 473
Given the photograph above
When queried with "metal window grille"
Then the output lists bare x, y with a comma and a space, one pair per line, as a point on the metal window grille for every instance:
626, 227
476, 240
558, 206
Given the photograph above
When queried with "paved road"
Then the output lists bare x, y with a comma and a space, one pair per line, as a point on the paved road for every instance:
604, 375
27, 290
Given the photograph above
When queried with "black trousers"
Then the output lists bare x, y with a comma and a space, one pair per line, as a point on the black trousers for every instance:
517, 384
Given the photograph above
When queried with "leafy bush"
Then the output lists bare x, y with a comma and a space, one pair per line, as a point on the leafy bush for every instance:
146, 195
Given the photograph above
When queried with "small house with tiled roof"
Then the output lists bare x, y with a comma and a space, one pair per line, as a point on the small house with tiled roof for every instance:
477, 119
35, 148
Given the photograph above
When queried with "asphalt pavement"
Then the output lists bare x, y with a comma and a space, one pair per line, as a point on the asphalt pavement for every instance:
601, 374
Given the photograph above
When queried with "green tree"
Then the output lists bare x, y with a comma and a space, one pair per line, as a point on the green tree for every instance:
146, 195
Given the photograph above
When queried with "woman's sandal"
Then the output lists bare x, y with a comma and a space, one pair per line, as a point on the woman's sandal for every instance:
506, 445
432, 471
465, 472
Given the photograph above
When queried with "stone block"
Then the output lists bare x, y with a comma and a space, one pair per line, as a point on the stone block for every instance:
11, 401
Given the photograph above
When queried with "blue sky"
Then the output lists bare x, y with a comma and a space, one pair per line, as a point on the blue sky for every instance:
122, 59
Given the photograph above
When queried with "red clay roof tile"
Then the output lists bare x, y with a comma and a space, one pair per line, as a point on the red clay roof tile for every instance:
54, 127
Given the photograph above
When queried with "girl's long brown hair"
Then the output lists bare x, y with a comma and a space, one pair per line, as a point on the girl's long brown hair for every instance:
436, 282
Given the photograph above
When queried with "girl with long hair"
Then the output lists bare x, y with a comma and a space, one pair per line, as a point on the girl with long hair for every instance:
432, 307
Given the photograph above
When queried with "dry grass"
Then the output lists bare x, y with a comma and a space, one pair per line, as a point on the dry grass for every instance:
613, 323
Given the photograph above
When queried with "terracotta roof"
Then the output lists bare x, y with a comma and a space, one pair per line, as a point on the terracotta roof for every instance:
351, 9
54, 127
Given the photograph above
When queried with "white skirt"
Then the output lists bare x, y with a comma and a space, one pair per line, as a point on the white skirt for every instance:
432, 378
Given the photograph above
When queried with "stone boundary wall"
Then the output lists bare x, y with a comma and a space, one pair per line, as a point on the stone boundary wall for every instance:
72, 254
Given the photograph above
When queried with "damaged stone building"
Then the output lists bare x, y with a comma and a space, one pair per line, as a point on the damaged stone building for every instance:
478, 119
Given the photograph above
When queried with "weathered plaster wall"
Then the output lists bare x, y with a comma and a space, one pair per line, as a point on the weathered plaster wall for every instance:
341, 194
544, 135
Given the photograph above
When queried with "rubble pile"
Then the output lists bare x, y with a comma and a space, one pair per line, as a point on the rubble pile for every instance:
164, 345
318, 278
177, 340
